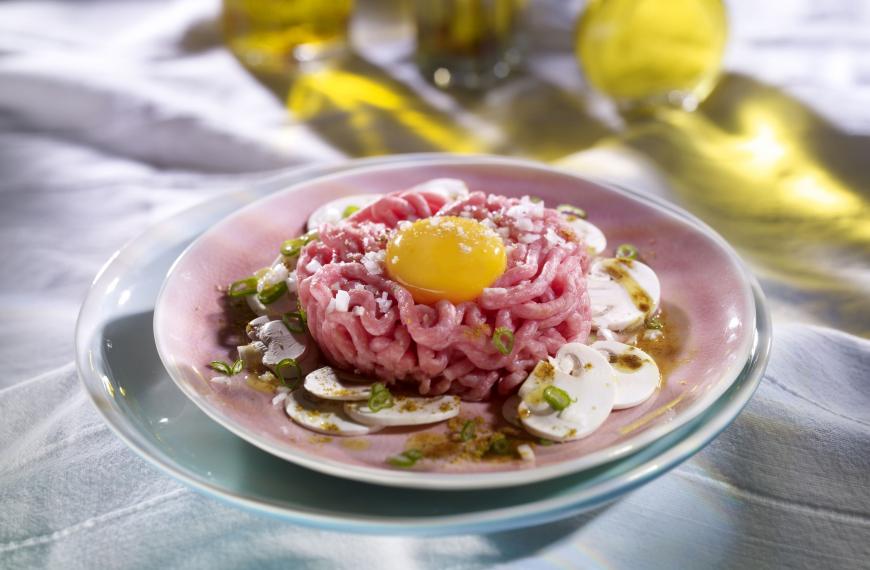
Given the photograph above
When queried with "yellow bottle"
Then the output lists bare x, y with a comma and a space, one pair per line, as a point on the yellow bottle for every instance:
643, 53
274, 35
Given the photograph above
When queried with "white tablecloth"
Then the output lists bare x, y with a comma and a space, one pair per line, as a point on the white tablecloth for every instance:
115, 114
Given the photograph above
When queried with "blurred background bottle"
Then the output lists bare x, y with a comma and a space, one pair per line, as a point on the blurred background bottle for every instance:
469, 44
273, 36
647, 53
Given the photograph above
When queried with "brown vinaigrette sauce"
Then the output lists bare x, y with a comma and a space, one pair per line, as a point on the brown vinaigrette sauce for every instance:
664, 345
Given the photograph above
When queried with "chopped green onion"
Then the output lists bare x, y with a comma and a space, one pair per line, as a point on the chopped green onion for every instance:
535, 199
503, 340
272, 293
294, 322
221, 367
557, 398
289, 363
626, 251
238, 365
572, 210
349, 211
292, 247
500, 445
469, 430
406, 459
243, 287
545, 442
380, 397
655, 323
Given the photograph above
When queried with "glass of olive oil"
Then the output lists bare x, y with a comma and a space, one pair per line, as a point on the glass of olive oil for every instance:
468, 44
274, 36
648, 53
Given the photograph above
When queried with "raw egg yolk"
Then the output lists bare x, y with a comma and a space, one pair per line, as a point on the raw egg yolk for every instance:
445, 258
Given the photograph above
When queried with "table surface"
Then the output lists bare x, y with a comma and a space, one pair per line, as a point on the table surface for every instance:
116, 115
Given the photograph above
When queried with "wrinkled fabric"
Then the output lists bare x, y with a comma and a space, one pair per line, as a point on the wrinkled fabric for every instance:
113, 115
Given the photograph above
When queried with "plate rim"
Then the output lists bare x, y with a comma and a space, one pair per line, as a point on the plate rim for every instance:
480, 480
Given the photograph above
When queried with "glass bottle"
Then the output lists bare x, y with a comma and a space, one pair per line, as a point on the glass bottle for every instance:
647, 53
274, 36
468, 44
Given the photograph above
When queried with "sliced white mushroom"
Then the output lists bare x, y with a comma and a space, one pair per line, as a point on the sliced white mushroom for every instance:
509, 411
622, 293
253, 328
406, 411
592, 236
450, 188
323, 416
584, 376
333, 211
635, 373
325, 383
252, 354
280, 343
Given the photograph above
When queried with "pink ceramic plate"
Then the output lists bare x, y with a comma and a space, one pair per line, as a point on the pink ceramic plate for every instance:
705, 294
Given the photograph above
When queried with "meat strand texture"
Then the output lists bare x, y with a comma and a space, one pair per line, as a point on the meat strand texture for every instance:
446, 348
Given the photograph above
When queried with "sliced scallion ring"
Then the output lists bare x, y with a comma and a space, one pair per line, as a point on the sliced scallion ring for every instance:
272, 293
294, 321
626, 251
380, 397
221, 367
349, 211
238, 366
292, 247
243, 287
570, 210
557, 398
406, 459
503, 340
292, 364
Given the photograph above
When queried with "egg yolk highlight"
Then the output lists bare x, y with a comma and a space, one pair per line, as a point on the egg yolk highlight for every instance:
445, 258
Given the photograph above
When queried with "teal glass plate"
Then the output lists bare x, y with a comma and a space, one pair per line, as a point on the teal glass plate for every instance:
121, 371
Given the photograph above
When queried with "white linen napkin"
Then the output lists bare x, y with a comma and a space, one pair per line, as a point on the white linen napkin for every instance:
784, 486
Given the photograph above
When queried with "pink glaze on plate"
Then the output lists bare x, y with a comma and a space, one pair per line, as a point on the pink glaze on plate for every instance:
704, 287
